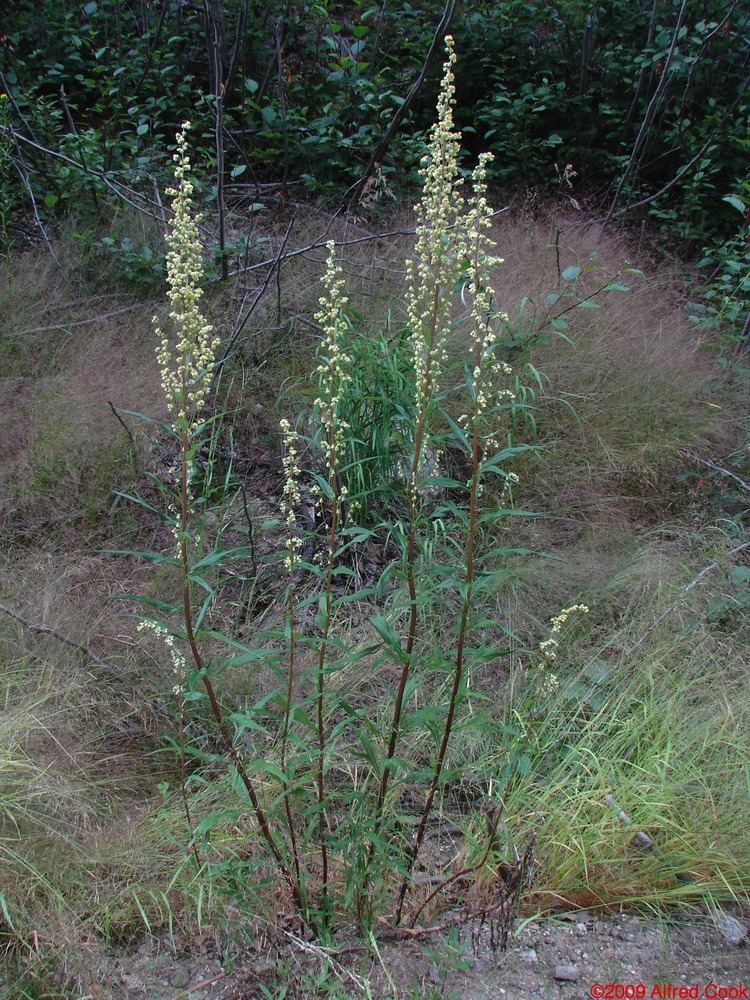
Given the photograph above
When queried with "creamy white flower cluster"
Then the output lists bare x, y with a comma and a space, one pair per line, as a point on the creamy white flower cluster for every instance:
549, 646
290, 497
440, 246
179, 665
486, 324
186, 364
333, 361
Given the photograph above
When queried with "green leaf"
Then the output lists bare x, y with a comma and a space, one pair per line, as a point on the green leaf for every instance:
457, 430
371, 755
490, 516
142, 128
491, 465
214, 819
249, 656
387, 634
298, 714
239, 170
149, 602
265, 767
571, 273
355, 596
157, 558
244, 722
735, 202
222, 555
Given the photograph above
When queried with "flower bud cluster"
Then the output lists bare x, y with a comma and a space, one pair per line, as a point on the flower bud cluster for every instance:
549, 646
179, 666
290, 497
440, 245
333, 362
186, 363
486, 324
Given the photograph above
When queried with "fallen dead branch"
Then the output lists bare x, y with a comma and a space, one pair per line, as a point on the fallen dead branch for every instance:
45, 630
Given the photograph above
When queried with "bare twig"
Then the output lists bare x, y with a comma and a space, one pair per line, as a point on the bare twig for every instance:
716, 468
19, 114
319, 241
670, 184
81, 154
325, 955
133, 449
20, 165
642, 74
494, 819
212, 29
354, 191
250, 530
714, 564
78, 322
206, 982
45, 630
643, 132
242, 321
239, 41
282, 101
118, 188
151, 46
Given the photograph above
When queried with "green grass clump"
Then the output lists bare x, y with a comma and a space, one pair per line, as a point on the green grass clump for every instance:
653, 710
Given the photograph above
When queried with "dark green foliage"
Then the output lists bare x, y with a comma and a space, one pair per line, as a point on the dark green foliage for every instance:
310, 87
637, 113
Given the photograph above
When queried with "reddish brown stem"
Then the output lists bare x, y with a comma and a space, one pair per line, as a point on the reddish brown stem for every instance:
183, 790
285, 734
459, 663
201, 667
411, 554
491, 838
328, 587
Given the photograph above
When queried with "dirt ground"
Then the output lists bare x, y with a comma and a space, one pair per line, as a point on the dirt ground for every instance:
574, 957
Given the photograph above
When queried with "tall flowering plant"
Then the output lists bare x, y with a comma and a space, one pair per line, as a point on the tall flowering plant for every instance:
186, 351
332, 815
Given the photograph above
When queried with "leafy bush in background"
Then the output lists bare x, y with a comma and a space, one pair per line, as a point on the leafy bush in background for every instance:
649, 97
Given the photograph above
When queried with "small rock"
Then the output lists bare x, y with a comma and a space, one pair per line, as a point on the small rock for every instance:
434, 974
582, 928
566, 973
180, 977
528, 956
730, 928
